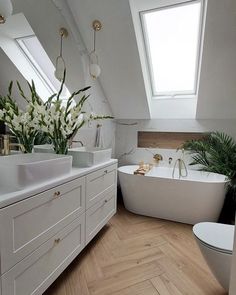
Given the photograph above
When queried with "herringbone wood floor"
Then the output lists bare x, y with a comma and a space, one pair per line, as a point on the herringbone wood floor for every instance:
136, 255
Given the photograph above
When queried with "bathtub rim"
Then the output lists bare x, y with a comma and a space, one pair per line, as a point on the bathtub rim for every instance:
135, 166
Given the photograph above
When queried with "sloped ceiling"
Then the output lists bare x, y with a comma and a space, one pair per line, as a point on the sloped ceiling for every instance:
121, 76
121, 68
217, 91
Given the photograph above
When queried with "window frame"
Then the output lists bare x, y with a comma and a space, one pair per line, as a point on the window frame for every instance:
171, 94
34, 64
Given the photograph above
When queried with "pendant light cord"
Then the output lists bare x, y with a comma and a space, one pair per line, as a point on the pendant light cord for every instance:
61, 44
94, 41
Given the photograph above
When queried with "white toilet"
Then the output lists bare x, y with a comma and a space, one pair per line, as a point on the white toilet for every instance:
215, 241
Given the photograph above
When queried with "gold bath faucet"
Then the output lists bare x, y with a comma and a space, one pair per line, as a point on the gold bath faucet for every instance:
157, 158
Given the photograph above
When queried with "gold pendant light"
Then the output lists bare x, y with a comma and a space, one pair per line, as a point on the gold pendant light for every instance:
94, 68
60, 62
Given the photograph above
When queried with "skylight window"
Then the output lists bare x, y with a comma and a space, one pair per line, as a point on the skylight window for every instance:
172, 37
42, 66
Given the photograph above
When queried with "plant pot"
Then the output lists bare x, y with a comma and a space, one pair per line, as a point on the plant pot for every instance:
27, 143
60, 146
227, 214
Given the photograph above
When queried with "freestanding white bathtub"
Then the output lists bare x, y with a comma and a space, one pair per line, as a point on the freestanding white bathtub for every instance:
198, 197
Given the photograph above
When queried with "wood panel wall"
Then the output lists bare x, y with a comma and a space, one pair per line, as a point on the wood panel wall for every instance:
166, 140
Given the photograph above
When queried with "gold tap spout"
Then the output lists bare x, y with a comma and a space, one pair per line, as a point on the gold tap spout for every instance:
7, 145
157, 158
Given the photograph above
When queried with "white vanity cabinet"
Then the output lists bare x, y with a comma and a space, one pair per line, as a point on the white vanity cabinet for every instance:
42, 234
26, 225
100, 199
37, 271
98, 215
98, 182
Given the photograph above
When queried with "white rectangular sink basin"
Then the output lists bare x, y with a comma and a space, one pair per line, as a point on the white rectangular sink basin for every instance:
22, 170
86, 157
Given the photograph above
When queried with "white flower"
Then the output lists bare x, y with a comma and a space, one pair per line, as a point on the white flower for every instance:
80, 118
8, 118
16, 120
2, 114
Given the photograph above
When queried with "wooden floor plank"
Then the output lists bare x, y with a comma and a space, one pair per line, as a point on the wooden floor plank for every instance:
132, 260
125, 279
143, 288
164, 286
184, 281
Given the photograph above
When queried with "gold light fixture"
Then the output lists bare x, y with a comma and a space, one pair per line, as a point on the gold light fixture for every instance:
94, 68
5, 10
60, 62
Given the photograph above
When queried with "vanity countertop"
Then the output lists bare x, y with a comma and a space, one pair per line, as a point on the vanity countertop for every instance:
7, 198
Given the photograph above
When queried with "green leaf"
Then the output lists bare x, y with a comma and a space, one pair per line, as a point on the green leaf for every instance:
22, 92
216, 152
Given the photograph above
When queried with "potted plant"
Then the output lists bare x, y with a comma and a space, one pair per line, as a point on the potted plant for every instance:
216, 152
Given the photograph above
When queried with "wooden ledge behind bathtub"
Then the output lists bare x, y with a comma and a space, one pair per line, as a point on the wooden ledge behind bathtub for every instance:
165, 140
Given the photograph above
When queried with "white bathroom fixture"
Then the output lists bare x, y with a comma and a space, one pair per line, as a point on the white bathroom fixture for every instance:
215, 241
195, 198
82, 156
86, 157
44, 148
23, 170
5, 10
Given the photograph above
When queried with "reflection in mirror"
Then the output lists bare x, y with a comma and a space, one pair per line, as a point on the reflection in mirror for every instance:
24, 50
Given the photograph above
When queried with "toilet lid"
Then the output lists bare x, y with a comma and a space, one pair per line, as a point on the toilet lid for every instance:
215, 235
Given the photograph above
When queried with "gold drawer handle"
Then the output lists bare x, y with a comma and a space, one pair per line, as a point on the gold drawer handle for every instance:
57, 241
57, 194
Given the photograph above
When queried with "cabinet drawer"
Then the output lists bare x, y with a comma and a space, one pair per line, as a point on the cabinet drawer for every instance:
98, 182
34, 274
26, 225
99, 214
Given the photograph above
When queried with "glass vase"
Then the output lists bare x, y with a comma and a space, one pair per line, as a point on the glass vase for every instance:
26, 142
60, 146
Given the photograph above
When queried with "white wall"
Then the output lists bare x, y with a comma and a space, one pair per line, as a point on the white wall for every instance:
126, 136
46, 20
217, 92
121, 74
